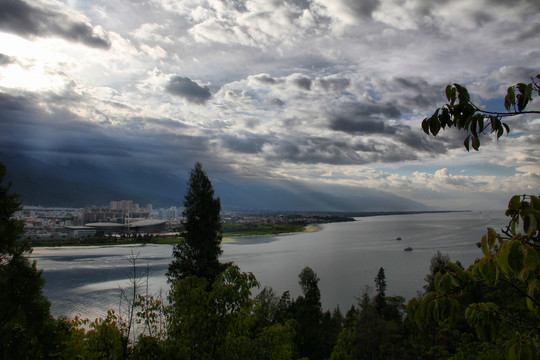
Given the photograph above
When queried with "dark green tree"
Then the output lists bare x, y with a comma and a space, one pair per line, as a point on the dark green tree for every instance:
27, 329
307, 310
197, 254
380, 286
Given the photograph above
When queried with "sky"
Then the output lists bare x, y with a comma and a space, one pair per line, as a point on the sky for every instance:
326, 94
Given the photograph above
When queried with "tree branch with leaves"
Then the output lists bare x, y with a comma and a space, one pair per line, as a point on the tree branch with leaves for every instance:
461, 113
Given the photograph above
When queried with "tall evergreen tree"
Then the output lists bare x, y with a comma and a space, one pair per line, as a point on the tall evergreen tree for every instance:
307, 311
380, 285
198, 252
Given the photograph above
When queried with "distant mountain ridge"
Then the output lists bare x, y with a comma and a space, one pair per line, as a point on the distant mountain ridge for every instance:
82, 184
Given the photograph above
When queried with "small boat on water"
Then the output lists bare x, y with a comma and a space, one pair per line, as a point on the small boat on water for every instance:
398, 238
408, 249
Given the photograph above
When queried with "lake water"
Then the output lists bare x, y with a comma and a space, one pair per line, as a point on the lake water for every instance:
345, 256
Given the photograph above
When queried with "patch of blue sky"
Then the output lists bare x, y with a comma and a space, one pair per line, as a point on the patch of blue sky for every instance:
495, 105
466, 170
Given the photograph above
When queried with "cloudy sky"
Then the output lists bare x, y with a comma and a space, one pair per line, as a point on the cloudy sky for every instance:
325, 93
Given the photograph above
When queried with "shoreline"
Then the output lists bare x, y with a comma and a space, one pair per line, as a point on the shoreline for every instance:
233, 239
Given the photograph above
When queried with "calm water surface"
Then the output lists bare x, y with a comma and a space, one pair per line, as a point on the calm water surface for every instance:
345, 256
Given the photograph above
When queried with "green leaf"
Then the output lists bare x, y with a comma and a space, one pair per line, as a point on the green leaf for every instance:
434, 123
521, 87
528, 92
446, 282
507, 128
500, 132
437, 281
532, 260
470, 314
466, 142
484, 246
489, 271
495, 123
515, 202
510, 98
463, 94
502, 256
449, 92
480, 123
516, 256
475, 142
491, 237
532, 225
467, 123
425, 125
522, 102
445, 118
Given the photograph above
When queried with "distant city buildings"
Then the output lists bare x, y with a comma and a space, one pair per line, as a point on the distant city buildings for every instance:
170, 213
48, 223
128, 205
124, 216
118, 212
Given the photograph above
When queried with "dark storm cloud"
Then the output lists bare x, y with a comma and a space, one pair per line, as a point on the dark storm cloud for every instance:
26, 128
379, 141
265, 79
5, 60
302, 4
277, 102
239, 5
303, 82
59, 135
29, 21
416, 92
418, 141
363, 8
334, 84
188, 89
364, 118
248, 144
315, 150
354, 126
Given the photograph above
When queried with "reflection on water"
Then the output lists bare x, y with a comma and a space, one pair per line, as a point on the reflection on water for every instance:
346, 257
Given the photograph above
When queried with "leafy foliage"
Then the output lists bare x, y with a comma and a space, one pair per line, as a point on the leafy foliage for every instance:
102, 340
498, 297
461, 113
217, 324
